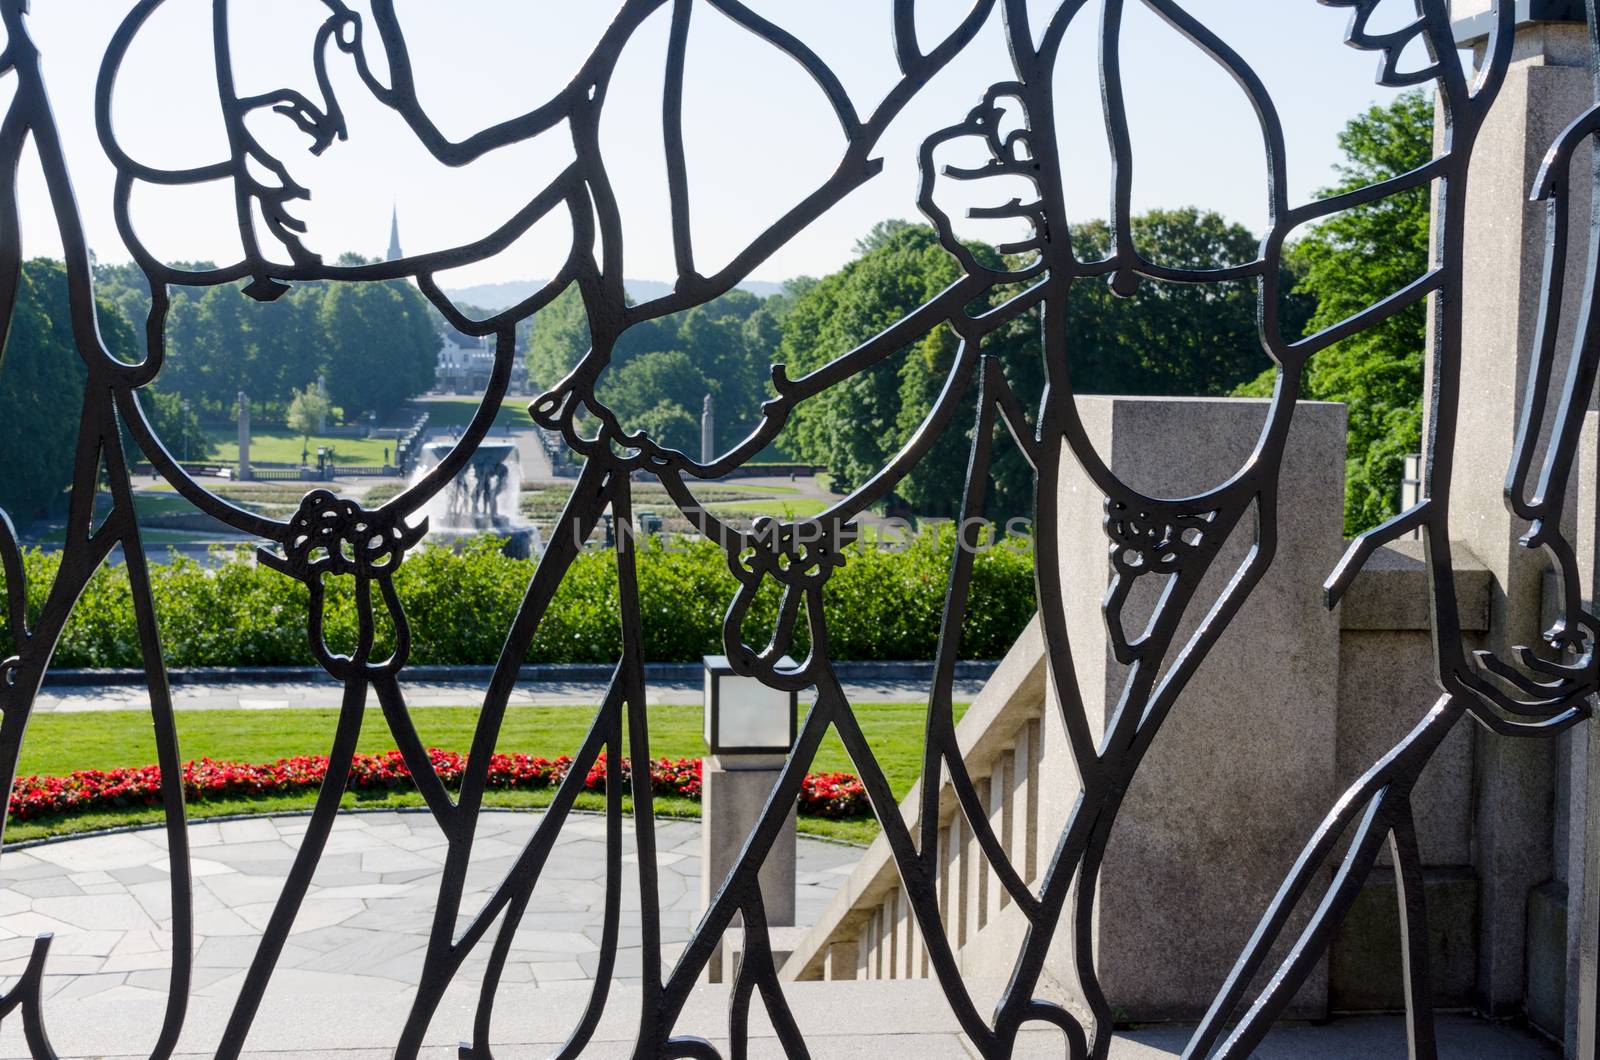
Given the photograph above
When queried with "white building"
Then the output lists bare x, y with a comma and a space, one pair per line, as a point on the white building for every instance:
465, 364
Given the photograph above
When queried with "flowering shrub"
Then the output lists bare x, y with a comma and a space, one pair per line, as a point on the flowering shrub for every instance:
833, 795
821, 795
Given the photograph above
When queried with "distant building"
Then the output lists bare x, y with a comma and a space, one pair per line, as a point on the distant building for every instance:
394, 235
465, 364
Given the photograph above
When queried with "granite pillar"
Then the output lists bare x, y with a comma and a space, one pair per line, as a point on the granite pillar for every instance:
1243, 770
1505, 236
733, 792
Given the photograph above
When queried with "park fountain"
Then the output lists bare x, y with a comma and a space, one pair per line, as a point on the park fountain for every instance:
480, 500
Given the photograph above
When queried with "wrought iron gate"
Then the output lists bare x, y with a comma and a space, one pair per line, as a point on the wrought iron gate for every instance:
1172, 541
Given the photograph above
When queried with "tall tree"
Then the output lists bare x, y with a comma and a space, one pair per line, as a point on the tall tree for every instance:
1354, 260
855, 427
42, 381
382, 346
308, 410
662, 389
1169, 338
176, 423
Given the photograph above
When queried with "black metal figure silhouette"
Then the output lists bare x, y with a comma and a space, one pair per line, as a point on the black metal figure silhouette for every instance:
1175, 541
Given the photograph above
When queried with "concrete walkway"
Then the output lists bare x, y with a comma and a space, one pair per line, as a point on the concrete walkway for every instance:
347, 975
361, 933
327, 694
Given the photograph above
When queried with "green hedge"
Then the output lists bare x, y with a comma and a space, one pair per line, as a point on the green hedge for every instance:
881, 605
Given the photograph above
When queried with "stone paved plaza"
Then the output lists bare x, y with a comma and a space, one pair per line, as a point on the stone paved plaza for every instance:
361, 933
345, 982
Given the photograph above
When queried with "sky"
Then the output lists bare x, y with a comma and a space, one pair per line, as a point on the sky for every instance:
759, 135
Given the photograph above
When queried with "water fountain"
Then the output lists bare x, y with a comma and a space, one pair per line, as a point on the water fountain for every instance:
481, 499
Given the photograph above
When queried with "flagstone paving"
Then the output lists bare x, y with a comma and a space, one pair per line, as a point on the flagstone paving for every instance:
363, 928
345, 983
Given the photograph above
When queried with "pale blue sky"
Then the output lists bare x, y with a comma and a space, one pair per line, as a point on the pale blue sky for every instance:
759, 135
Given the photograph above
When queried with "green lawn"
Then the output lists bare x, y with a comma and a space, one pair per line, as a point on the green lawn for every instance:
60, 743
276, 445
781, 508
458, 411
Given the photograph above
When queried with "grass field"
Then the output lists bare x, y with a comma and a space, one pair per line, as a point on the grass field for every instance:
275, 445
781, 508
458, 411
738, 502
60, 743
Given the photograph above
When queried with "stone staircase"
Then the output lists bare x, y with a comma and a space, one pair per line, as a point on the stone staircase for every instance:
868, 932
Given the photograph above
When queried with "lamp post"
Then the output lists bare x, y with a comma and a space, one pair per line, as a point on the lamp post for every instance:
744, 716
749, 728
186, 406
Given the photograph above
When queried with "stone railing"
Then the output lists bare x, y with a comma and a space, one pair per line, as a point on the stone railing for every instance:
868, 932
1292, 706
1015, 753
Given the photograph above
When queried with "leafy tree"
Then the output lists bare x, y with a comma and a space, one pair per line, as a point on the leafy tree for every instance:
382, 346
729, 342
670, 425
557, 337
177, 425
220, 341
1169, 338
644, 391
855, 427
308, 411
42, 378
1352, 261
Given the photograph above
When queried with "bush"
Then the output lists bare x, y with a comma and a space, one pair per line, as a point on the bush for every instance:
882, 604
835, 795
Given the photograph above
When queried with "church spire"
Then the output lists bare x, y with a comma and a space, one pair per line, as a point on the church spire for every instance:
394, 236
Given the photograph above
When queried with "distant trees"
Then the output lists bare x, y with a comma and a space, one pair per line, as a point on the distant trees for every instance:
381, 345
176, 424
661, 370
855, 427
41, 383
42, 389
1167, 339
377, 343
1170, 338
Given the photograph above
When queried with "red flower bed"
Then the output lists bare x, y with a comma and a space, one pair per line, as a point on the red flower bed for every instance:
821, 795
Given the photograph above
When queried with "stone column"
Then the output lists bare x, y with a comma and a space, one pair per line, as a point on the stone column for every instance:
244, 438
733, 792
1547, 86
1583, 950
322, 417
1243, 770
708, 433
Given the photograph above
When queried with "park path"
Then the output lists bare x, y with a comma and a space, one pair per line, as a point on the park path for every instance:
361, 933
283, 695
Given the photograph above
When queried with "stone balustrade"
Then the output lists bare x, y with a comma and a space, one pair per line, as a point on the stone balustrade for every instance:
1301, 703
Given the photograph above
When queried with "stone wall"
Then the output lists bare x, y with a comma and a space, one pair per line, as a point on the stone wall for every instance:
1291, 707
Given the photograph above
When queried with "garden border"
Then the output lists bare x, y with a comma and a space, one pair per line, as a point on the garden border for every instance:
847, 671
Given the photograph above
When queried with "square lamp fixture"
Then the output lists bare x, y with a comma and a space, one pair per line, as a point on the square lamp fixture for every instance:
744, 716
1473, 21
